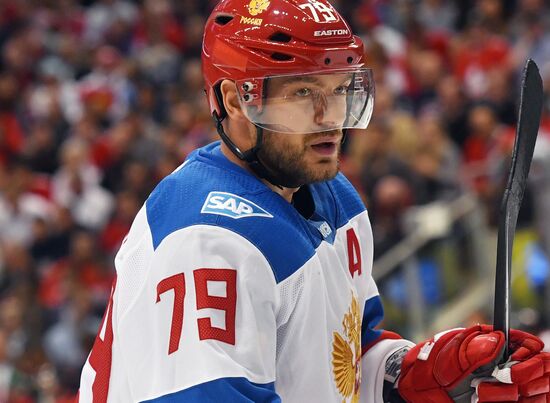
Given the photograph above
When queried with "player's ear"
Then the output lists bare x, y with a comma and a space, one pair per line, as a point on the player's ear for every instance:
231, 100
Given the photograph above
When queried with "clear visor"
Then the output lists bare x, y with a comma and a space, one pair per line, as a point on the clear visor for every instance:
309, 103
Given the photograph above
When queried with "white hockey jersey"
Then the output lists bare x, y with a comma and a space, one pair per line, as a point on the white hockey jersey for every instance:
225, 293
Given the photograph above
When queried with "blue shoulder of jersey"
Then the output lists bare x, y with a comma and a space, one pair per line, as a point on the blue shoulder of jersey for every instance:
211, 190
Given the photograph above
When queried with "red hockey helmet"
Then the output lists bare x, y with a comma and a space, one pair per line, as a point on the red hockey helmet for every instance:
248, 41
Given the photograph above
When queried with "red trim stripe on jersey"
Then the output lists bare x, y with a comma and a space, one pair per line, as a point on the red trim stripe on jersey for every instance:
101, 355
386, 335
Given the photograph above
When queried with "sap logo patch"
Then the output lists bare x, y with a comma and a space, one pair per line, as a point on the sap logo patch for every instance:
232, 206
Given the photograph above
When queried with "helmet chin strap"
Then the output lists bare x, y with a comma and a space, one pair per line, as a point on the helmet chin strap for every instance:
249, 156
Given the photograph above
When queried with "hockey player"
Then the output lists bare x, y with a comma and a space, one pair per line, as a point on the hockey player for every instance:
246, 276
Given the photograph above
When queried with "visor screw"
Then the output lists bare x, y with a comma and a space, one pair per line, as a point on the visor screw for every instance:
247, 97
350, 60
247, 87
327, 60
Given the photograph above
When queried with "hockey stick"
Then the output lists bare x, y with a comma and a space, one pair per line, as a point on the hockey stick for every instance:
530, 109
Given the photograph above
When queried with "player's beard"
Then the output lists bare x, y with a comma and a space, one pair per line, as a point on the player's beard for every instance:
287, 162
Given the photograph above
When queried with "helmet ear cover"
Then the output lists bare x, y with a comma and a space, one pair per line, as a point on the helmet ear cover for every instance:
219, 100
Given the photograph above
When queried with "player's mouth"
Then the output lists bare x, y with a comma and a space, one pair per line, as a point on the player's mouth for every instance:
325, 146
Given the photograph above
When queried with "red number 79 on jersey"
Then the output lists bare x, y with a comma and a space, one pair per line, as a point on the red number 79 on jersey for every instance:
203, 300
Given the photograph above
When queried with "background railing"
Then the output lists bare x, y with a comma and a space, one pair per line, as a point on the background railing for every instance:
437, 223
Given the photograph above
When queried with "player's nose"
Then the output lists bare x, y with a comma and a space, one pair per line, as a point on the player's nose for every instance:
328, 114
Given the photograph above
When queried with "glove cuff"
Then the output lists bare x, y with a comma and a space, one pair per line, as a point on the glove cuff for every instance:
391, 376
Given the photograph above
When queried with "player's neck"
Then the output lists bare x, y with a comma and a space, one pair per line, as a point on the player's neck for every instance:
286, 193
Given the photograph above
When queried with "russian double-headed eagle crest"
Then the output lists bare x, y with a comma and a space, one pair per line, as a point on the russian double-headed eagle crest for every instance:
258, 6
346, 354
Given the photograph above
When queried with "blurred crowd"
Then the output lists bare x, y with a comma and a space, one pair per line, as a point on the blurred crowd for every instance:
99, 100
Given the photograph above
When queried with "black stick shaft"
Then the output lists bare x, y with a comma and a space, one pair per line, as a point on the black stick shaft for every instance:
526, 135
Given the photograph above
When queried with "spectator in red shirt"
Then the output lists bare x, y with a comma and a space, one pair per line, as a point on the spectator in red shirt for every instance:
11, 133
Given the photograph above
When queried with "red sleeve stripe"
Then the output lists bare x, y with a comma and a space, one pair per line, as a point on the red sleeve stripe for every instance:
386, 335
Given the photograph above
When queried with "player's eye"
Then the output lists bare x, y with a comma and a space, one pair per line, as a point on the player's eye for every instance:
341, 90
303, 92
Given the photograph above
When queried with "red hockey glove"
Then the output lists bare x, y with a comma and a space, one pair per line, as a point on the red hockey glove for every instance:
461, 363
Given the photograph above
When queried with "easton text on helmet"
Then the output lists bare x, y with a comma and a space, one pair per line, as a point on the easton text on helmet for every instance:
331, 32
